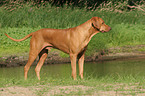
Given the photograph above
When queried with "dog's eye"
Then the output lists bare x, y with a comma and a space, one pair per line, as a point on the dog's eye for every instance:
102, 22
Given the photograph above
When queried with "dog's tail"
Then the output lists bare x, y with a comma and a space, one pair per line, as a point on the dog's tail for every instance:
18, 40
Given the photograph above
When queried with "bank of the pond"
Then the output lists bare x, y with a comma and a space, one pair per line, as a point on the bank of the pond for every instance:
54, 57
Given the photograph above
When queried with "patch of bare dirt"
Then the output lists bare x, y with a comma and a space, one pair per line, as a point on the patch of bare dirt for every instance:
64, 90
17, 91
75, 90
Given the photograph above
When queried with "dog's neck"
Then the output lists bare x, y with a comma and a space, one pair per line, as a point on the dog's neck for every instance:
91, 30
88, 31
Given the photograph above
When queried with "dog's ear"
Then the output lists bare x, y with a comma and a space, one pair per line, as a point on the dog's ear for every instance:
95, 22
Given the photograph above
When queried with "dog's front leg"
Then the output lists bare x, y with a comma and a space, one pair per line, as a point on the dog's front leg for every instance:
81, 65
73, 58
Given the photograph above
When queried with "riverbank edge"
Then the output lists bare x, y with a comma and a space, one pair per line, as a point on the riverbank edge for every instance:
14, 61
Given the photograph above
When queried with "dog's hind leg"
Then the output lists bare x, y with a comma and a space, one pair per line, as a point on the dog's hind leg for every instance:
33, 53
42, 56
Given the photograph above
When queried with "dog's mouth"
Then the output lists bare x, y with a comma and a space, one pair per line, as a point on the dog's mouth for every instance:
103, 31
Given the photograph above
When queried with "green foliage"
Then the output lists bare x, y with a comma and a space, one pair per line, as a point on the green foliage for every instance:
87, 4
53, 17
8, 46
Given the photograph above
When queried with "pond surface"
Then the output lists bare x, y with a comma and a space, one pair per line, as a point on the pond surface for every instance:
93, 69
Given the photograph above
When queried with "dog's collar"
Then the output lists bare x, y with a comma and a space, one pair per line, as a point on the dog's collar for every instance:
95, 27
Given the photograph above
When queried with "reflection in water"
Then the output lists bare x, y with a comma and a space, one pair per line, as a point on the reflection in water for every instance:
95, 69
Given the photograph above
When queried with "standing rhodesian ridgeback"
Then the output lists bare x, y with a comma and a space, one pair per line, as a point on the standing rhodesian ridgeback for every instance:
72, 41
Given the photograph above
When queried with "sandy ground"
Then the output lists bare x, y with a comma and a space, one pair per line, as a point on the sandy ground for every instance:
76, 90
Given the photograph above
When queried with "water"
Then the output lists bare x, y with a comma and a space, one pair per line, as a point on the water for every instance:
93, 69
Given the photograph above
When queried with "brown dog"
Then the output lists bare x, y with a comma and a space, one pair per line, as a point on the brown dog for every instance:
72, 41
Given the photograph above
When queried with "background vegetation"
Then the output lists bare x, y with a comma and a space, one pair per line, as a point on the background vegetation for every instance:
21, 17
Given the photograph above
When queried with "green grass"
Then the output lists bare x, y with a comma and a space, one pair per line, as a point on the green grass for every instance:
126, 85
64, 17
89, 80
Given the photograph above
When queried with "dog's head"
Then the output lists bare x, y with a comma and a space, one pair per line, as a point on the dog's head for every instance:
99, 24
